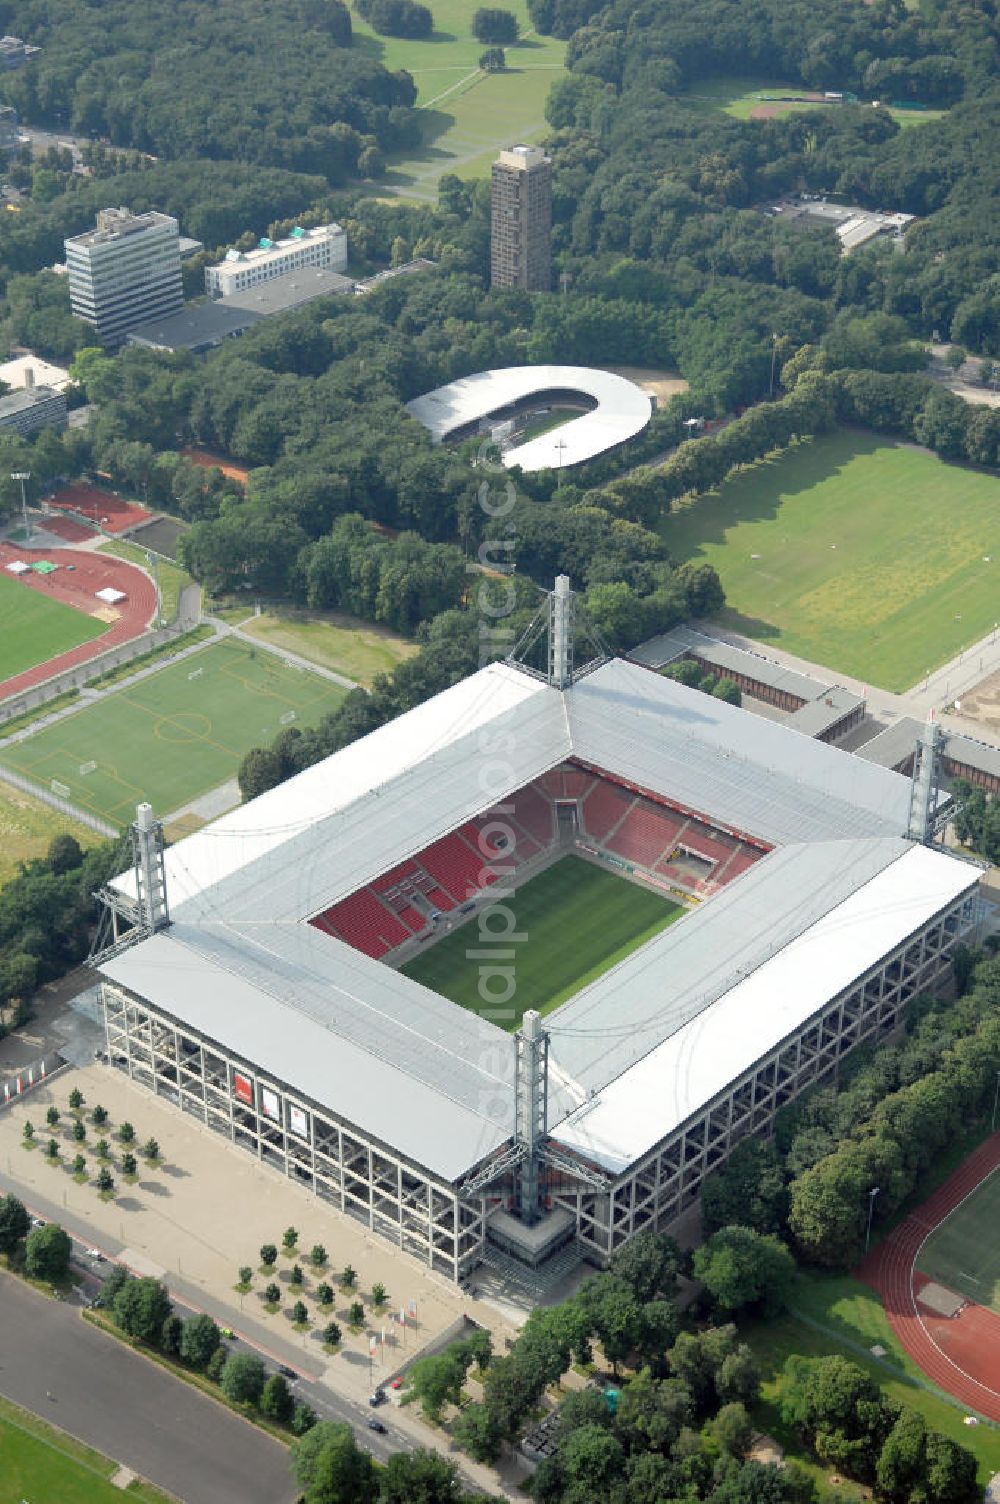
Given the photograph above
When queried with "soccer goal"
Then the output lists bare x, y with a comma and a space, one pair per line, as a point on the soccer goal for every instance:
287, 718
62, 789
87, 767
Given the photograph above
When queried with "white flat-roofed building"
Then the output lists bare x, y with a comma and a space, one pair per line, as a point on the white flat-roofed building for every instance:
31, 408
324, 246
249, 1009
125, 272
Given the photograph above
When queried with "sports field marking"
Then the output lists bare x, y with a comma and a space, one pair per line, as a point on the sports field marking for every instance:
169, 738
578, 920
963, 1251
874, 559
34, 627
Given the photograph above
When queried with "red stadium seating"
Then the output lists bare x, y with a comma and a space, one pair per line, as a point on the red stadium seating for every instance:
646, 834
603, 808
576, 782
364, 922
413, 919
533, 812
739, 862
455, 866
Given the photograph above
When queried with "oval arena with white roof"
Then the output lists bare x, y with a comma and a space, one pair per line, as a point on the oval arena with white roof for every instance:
278, 996
618, 411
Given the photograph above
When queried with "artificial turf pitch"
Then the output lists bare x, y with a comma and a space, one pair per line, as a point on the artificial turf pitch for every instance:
874, 559
176, 734
963, 1251
577, 920
34, 628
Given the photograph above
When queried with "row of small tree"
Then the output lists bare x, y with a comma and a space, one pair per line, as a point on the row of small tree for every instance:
323, 1293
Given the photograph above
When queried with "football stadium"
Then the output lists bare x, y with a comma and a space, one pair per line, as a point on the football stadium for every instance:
507, 977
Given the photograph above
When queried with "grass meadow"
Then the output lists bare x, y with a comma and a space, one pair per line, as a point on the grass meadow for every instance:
466, 115
579, 921
26, 828
38, 1462
357, 649
34, 628
875, 559
174, 735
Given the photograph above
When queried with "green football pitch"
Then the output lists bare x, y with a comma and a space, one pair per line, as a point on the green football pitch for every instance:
174, 735
577, 920
33, 628
963, 1252
876, 560
39, 1463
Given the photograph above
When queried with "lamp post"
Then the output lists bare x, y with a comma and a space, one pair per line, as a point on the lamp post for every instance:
871, 1210
22, 476
774, 356
560, 446
996, 1100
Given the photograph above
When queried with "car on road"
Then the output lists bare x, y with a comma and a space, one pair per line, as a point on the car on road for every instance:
38, 1221
228, 1333
96, 1255
378, 1398
288, 1373
376, 1425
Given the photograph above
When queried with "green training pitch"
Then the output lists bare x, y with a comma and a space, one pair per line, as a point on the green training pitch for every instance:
465, 116
963, 1252
577, 921
874, 559
764, 99
174, 735
34, 628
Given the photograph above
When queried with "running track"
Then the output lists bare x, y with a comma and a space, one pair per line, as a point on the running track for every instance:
77, 587
960, 1354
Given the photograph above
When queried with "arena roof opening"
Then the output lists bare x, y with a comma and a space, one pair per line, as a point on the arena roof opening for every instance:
279, 979
622, 410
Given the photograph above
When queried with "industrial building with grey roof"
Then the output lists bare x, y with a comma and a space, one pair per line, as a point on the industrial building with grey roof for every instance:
259, 988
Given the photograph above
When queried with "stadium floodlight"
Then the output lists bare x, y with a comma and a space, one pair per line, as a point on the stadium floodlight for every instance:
22, 476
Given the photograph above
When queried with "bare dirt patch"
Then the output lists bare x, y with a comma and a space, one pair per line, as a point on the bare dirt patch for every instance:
660, 384
982, 703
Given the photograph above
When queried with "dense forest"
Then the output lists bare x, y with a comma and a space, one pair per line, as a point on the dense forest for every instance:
235, 79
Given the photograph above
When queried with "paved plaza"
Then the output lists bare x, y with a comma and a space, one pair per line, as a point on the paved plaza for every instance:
206, 1210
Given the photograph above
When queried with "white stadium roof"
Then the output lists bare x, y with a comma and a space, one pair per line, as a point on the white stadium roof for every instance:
241, 964
622, 411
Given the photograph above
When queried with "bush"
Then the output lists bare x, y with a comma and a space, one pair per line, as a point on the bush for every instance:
400, 18
52, 1149
276, 1400
200, 1340
295, 1277
76, 1099
126, 1133
318, 1256
52, 1116
332, 1334
356, 1314
14, 1224
304, 1417
141, 1307
216, 1364
116, 1280
268, 1255
151, 1150
272, 1294
99, 1116
300, 1315
129, 1165
242, 1380
246, 1276
289, 1238
46, 1253
489, 25
324, 1295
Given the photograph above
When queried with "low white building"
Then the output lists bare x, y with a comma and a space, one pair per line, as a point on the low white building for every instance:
324, 246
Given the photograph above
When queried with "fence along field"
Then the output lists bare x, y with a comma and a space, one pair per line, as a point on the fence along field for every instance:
174, 735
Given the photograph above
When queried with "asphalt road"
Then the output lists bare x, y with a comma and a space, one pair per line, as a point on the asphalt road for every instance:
130, 1409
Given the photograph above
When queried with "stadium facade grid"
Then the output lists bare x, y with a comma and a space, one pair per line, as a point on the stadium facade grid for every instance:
434, 1127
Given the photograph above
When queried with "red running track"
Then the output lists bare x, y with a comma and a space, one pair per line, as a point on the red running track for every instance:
960, 1353
77, 587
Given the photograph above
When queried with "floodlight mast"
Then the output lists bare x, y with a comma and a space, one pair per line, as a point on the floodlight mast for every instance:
150, 870
926, 782
22, 476
561, 623
531, 1109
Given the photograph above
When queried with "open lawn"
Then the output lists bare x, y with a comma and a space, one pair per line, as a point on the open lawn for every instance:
354, 648
874, 559
467, 116
750, 99
578, 921
26, 828
837, 1314
963, 1253
37, 1462
174, 735
170, 578
33, 628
